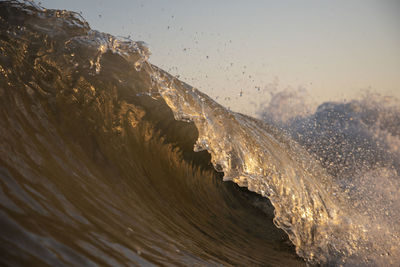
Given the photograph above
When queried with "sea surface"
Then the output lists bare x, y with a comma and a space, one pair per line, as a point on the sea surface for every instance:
106, 159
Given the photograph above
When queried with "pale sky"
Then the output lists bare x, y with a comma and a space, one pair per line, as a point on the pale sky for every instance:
332, 49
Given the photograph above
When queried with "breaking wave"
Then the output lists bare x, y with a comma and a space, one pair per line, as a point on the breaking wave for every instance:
97, 163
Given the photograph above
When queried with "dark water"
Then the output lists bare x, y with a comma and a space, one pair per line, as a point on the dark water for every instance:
97, 164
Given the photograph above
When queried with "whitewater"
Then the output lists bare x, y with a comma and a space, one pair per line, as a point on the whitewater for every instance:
106, 159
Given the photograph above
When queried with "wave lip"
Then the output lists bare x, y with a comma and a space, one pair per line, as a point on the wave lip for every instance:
314, 200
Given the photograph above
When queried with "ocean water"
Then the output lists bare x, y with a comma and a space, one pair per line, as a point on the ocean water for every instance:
106, 159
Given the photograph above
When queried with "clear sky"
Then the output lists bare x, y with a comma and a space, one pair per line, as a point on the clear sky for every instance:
333, 49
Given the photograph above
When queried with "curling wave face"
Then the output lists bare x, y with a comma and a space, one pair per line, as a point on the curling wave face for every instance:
95, 171
97, 163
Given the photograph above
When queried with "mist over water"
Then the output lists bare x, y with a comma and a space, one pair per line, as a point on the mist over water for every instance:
357, 142
97, 163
